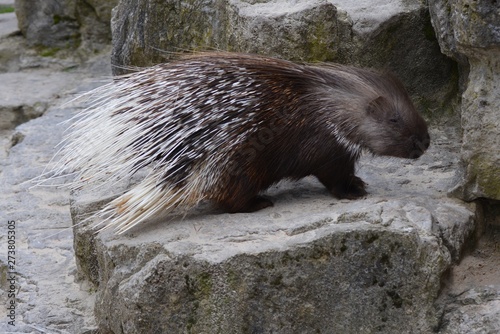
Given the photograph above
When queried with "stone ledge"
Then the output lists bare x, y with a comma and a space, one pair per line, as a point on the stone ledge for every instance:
309, 263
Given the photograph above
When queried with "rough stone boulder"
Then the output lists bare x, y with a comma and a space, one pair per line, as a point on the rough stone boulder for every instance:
42, 89
309, 264
66, 23
469, 32
47, 298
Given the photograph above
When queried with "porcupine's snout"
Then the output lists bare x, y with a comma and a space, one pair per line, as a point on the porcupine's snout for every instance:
420, 146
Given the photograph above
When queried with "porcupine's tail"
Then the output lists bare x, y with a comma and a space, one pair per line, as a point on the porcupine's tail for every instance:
143, 201
106, 144
150, 197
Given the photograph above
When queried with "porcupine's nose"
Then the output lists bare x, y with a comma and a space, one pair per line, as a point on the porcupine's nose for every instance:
420, 146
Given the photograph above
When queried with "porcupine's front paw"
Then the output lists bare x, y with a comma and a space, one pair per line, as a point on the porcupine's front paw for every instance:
351, 189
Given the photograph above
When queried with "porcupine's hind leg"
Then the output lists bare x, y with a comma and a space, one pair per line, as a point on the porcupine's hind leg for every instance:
253, 204
340, 179
241, 195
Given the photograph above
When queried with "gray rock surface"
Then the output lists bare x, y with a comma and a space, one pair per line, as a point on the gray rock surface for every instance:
474, 311
309, 263
470, 32
48, 298
8, 23
44, 86
471, 294
146, 32
65, 24
50, 23
368, 16
299, 30
398, 35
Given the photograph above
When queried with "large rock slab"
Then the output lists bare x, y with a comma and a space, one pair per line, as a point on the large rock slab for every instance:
302, 30
39, 89
469, 31
310, 263
48, 298
65, 24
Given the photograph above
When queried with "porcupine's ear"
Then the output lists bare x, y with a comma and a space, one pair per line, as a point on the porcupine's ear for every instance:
379, 108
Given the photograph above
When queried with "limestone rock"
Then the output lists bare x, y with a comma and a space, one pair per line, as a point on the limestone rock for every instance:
48, 299
398, 36
65, 24
306, 31
8, 24
94, 17
469, 31
473, 312
356, 271
309, 263
50, 23
43, 87
146, 32
471, 293
481, 129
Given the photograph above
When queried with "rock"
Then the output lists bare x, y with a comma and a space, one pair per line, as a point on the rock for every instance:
309, 263
64, 24
48, 298
8, 24
306, 31
398, 35
473, 312
481, 130
469, 31
8, 28
94, 17
40, 88
471, 294
146, 32
253, 283
50, 23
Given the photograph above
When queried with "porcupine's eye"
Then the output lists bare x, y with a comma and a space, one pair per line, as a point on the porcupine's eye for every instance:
394, 117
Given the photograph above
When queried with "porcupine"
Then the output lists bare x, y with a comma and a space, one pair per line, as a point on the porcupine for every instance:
223, 127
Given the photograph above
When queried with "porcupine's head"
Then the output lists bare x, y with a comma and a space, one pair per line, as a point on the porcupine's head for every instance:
378, 115
392, 126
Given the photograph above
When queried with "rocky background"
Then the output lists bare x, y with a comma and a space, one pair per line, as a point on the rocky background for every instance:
420, 254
